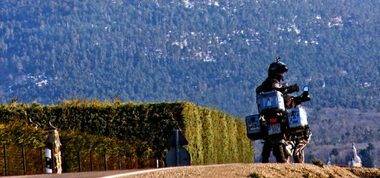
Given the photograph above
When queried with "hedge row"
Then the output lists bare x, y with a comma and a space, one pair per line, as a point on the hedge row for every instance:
77, 148
214, 137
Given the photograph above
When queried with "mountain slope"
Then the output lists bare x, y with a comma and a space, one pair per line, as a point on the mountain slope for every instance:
210, 52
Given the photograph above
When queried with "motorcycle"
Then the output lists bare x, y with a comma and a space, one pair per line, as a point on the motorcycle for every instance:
274, 119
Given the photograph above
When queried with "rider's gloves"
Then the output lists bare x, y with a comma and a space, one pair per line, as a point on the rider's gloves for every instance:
292, 88
305, 96
302, 98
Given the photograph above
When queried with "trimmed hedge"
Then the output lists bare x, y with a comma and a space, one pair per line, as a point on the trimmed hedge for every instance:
214, 137
18, 134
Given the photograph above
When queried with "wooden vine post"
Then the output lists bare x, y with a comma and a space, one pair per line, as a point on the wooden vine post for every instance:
23, 159
53, 151
5, 156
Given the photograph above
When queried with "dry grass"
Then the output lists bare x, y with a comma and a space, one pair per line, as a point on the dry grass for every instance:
265, 170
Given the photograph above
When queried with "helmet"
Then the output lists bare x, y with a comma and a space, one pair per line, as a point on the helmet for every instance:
277, 68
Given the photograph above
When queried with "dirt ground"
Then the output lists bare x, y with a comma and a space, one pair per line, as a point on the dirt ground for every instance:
265, 170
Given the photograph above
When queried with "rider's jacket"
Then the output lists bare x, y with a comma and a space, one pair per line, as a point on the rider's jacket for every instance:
270, 84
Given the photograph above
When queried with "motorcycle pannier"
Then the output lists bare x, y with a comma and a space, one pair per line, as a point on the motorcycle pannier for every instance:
297, 119
254, 131
270, 100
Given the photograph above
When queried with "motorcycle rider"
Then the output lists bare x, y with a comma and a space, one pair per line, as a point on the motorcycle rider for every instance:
279, 143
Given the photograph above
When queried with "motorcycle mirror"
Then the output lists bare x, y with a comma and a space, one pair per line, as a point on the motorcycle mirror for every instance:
305, 88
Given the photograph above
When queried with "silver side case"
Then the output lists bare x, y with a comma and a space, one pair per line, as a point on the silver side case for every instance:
270, 100
253, 124
297, 118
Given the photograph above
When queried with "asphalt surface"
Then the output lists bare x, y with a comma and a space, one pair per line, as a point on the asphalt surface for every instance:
110, 174
79, 174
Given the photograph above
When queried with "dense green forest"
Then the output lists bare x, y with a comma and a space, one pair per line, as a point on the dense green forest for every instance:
210, 52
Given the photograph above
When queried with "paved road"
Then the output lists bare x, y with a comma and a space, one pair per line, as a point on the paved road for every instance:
108, 174
112, 174
80, 174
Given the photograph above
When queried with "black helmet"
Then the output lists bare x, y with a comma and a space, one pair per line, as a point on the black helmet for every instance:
277, 68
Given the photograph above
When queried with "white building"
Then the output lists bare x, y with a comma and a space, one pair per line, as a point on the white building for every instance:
355, 161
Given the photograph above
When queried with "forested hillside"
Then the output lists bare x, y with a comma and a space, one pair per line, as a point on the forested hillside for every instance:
210, 52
